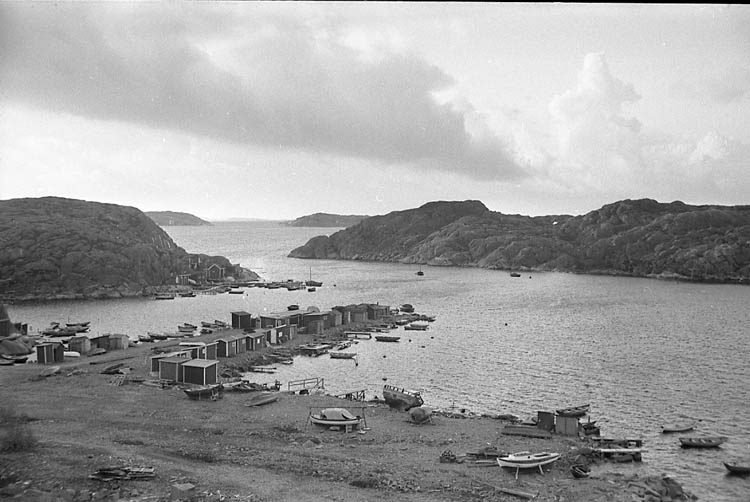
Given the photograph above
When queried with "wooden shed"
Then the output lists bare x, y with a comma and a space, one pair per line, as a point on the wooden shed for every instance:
231, 346
158, 357
80, 344
170, 368
200, 371
567, 426
212, 351
258, 340
50, 352
242, 320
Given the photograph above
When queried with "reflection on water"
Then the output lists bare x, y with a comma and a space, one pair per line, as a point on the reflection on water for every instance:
642, 352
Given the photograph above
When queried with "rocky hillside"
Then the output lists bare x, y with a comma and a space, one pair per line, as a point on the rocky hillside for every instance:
170, 218
55, 248
326, 220
641, 238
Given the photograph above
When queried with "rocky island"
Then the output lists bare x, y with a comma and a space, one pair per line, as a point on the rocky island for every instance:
326, 220
55, 248
171, 218
638, 238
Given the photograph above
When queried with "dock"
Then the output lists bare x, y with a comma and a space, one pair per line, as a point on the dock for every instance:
353, 395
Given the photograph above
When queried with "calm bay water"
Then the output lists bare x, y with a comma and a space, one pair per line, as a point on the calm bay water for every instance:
642, 352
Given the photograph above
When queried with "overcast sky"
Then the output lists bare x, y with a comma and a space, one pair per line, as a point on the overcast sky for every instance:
280, 109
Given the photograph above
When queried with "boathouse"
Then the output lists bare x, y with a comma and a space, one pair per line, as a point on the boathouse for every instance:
316, 322
242, 320
50, 352
567, 426
232, 345
212, 351
158, 357
200, 372
170, 368
377, 311
197, 350
80, 344
259, 339
281, 334
345, 314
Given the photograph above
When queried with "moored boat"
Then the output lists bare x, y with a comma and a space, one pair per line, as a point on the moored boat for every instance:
401, 399
738, 468
335, 417
681, 427
342, 355
527, 460
702, 442
387, 338
574, 411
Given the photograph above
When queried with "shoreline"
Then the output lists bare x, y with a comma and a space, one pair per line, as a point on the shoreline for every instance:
227, 451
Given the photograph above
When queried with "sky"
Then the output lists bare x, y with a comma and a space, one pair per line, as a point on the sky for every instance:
275, 110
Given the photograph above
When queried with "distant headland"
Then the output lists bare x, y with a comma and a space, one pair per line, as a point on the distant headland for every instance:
638, 238
53, 248
173, 218
326, 220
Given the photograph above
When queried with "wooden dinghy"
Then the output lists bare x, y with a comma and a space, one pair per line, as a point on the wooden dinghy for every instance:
580, 471
679, 427
335, 417
203, 391
263, 398
736, 468
526, 460
574, 411
702, 442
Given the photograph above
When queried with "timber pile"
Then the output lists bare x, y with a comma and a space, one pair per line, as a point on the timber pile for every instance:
657, 489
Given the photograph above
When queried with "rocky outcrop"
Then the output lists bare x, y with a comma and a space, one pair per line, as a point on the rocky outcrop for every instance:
55, 248
172, 218
630, 237
326, 220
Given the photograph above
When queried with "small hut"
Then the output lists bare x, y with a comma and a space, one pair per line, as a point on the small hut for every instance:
50, 352
200, 372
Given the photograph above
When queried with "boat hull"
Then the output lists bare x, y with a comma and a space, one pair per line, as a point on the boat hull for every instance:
575, 411
708, 442
401, 399
737, 469
204, 392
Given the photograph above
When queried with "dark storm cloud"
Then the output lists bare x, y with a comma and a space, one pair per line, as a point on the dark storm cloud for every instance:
240, 77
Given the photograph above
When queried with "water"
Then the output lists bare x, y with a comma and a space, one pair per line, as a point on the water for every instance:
643, 352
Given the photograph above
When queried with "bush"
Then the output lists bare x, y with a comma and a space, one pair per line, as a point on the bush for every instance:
15, 434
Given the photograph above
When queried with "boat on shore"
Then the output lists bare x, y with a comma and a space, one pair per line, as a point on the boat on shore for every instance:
342, 355
335, 417
702, 442
417, 326
164, 296
401, 399
738, 468
527, 460
263, 398
199, 392
574, 411
580, 471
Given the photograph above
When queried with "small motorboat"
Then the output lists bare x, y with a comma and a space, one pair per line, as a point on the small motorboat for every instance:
702, 442
387, 338
342, 355
526, 460
574, 411
681, 427
263, 398
335, 417
737, 468
580, 471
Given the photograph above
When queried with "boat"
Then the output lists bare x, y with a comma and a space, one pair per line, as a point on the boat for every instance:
311, 289
164, 296
590, 428
335, 417
189, 294
15, 358
342, 355
157, 336
735, 468
199, 392
684, 427
263, 398
401, 399
387, 338
406, 307
515, 274
236, 291
526, 460
573, 411
145, 338
292, 307
310, 282
580, 471
702, 442
416, 326
419, 272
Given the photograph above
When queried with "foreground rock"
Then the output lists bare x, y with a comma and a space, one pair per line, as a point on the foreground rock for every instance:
641, 238
54, 248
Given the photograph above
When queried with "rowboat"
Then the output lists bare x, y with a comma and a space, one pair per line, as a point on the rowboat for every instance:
573, 411
683, 427
526, 460
401, 399
579, 471
387, 338
334, 417
737, 468
263, 398
703, 442
203, 391
342, 355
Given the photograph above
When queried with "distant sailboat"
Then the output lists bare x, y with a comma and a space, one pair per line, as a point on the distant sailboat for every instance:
420, 271
312, 283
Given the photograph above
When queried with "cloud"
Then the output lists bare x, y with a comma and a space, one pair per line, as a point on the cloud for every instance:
730, 87
244, 74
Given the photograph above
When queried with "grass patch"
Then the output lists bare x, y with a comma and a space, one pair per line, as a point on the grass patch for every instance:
15, 433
